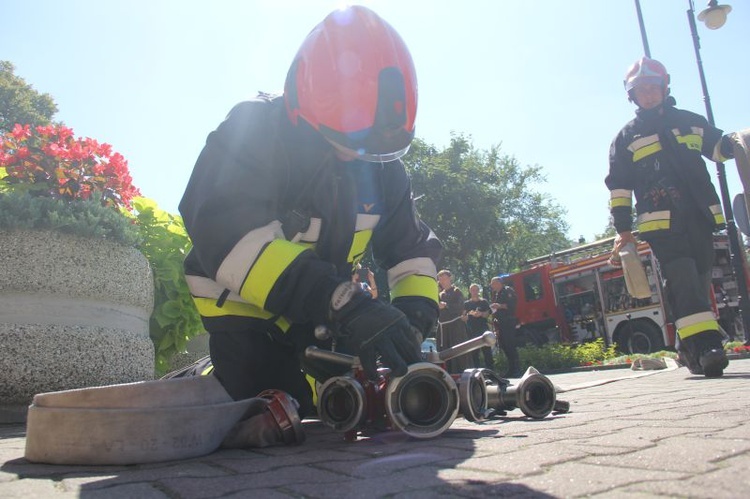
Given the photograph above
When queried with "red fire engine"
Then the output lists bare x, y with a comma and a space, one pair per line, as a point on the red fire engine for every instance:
576, 296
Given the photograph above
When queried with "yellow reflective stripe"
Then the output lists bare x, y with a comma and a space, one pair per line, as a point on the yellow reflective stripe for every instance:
646, 151
420, 265
208, 370
643, 142
692, 141
696, 323
620, 197
359, 244
271, 263
207, 308
416, 285
616, 202
311, 382
233, 270
653, 225
718, 214
716, 154
654, 220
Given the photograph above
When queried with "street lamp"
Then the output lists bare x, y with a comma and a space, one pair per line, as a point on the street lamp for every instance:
715, 16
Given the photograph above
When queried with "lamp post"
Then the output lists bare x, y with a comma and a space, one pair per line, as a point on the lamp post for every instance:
714, 16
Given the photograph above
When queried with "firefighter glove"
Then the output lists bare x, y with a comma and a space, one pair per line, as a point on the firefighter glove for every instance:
367, 327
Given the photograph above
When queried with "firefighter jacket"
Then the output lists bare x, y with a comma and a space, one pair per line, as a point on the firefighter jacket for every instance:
505, 316
277, 222
657, 157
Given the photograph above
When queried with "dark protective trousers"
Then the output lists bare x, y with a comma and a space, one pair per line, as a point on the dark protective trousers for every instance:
250, 361
505, 330
686, 259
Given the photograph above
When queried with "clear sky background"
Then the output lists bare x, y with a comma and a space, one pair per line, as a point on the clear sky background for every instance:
542, 78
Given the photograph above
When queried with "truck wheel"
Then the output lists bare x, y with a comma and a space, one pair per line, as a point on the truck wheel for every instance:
641, 337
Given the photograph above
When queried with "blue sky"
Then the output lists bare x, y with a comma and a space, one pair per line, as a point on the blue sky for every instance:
543, 78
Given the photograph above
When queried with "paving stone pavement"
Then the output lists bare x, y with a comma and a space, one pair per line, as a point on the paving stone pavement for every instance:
663, 434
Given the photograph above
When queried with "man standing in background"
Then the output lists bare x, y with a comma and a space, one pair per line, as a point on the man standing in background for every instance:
503, 305
477, 311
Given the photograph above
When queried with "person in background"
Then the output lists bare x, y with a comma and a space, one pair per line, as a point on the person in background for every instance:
369, 287
658, 158
477, 312
503, 302
288, 193
451, 327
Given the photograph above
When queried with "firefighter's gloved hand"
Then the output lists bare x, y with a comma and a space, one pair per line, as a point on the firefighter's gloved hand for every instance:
368, 327
421, 312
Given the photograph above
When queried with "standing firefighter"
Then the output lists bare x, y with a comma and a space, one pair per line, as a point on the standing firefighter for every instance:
657, 157
285, 198
503, 301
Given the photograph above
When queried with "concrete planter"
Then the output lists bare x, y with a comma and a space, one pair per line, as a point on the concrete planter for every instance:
74, 313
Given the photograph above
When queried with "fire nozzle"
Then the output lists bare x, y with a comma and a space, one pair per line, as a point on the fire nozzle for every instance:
534, 394
423, 403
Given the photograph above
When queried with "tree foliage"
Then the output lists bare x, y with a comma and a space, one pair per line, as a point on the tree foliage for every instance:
483, 207
20, 103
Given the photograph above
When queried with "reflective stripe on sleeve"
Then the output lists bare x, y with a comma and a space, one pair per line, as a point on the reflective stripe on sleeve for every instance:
274, 259
311, 234
654, 220
620, 197
416, 285
718, 214
366, 221
359, 245
413, 266
696, 323
236, 266
716, 155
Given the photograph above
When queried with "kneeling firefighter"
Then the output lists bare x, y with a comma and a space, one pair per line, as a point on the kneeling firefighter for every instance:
286, 197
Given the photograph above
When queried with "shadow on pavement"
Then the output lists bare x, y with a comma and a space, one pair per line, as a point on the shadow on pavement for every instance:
384, 464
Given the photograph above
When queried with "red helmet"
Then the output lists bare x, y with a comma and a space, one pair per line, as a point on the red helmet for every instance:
353, 80
646, 71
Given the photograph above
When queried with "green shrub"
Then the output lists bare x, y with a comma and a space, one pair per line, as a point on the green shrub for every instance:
84, 218
557, 356
165, 243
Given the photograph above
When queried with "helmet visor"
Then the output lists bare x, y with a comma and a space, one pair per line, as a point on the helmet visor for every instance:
643, 80
370, 157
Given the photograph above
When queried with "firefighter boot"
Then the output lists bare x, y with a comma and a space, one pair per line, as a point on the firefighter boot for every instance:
704, 354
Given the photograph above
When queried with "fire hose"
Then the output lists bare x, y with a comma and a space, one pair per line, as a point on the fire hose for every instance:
154, 421
180, 418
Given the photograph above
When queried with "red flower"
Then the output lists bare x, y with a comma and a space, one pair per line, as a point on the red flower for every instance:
69, 167
21, 131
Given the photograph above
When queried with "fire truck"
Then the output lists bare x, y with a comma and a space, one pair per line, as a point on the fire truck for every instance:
575, 296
